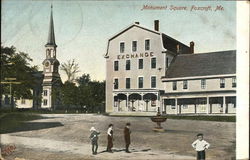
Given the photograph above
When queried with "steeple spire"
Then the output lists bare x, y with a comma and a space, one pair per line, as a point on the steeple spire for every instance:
51, 36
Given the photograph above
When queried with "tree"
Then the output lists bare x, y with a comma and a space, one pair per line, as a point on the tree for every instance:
71, 68
83, 80
17, 65
69, 95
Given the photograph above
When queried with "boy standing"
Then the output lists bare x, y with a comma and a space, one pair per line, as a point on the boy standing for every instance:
94, 140
110, 138
200, 146
127, 133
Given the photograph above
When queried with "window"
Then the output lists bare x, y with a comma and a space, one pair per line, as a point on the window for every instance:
203, 84
140, 82
127, 83
153, 62
22, 101
147, 44
127, 64
222, 83
45, 92
166, 62
234, 82
140, 64
134, 46
185, 84
153, 82
174, 85
116, 65
122, 47
45, 102
116, 84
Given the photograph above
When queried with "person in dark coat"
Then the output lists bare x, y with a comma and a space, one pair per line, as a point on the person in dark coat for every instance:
127, 133
94, 140
110, 138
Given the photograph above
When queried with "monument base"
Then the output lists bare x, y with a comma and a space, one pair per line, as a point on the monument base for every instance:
159, 130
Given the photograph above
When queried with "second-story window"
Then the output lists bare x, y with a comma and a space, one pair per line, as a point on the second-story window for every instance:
116, 65
147, 44
127, 83
45, 92
153, 62
153, 82
122, 47
222, 83
203, 84
234, 82
140, 64
116, 83
140, 82
134, 46
174, 85
127, 64
185, 84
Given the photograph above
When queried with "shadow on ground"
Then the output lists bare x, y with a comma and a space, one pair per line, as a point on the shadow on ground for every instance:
29, 126
123, 150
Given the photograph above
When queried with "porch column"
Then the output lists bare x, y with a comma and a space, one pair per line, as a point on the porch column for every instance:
142, 100
207, 105
176, 106
224, 104
157, 103
114, 108
127, 102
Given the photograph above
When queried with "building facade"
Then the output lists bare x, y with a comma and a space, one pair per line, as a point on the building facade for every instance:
141, 70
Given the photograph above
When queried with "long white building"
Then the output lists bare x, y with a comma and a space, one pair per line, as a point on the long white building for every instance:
147, 70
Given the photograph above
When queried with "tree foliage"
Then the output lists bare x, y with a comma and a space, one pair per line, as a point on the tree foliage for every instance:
71, 68
17, 65
88, 94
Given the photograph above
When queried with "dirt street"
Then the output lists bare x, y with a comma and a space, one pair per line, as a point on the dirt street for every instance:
66, 136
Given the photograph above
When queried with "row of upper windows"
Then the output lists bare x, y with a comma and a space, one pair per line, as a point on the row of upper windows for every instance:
140, 64
203, 83
140, 82
134, 46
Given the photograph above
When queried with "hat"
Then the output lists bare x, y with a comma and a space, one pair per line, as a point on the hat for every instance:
199, 134
92, 129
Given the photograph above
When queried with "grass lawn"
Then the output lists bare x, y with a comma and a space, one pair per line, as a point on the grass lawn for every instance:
10, 121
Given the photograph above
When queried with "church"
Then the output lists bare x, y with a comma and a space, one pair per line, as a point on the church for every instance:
45, 81
147, 71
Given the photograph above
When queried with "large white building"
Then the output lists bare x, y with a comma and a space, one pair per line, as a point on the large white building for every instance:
147, 70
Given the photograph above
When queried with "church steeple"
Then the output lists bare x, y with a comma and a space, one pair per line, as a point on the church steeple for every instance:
51, 37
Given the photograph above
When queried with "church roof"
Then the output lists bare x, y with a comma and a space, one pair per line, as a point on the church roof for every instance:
51, 36
203, 64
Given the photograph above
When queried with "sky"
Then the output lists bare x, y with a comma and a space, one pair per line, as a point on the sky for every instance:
82, 28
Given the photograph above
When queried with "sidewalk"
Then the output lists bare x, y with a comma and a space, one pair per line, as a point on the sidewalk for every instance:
85, 149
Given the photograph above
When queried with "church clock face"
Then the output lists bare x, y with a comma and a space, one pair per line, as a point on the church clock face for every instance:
46, 64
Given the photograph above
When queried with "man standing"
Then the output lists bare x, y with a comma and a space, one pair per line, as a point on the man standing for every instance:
127, 133
94, 140
110, 138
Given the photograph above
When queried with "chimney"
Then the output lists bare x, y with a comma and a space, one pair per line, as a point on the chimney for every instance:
192, 47
156, 24
137, 23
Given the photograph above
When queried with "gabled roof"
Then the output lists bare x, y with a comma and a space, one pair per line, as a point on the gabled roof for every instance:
169, 43
131, 26
203, 64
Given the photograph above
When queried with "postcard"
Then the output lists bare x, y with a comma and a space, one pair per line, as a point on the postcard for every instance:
136, 79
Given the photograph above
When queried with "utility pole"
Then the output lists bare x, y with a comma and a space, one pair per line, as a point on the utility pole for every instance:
11, 81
